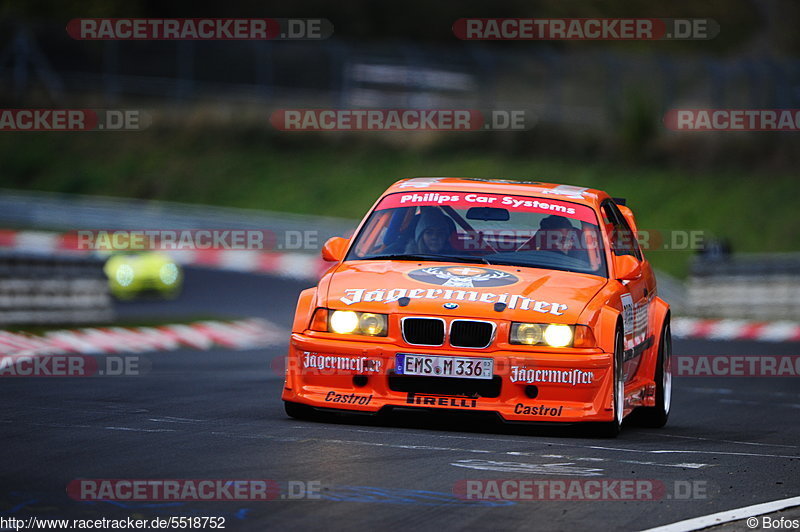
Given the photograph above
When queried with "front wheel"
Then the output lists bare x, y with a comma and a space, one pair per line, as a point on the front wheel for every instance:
612, 428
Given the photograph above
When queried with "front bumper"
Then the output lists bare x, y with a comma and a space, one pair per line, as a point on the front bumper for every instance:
568, 386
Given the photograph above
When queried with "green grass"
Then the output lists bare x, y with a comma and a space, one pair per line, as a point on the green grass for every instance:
344, 176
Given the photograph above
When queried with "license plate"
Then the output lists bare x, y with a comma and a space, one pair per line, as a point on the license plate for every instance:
441, 366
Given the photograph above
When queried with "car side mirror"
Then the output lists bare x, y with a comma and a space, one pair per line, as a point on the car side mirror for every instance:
334, 249
627, 268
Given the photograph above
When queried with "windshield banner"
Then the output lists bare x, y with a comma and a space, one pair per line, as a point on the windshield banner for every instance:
460, 200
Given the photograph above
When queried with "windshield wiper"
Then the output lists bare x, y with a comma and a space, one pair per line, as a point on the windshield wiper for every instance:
415, 256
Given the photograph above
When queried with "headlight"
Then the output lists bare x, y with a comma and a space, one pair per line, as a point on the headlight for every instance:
124, 275
372, 324
552, 335
168, 273
364, 323
527, 333
556, 335
344, 322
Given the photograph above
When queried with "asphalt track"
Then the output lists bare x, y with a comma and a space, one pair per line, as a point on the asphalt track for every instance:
217, 414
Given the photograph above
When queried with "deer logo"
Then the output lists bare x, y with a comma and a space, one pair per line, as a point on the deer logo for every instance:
462, 276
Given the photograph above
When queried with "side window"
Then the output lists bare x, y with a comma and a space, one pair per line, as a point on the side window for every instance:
623, 240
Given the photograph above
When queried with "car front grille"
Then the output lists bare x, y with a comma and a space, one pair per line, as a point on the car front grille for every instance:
469, 334
423, 331
473, 334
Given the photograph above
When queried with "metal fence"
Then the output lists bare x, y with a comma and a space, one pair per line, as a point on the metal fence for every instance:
588, 85
67, 212
43, 289
755, 286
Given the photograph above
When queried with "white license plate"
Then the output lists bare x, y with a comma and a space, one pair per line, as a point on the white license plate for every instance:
442, 366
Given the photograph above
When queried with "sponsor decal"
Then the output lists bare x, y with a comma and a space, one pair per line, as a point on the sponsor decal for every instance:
461, 200
390, 295
550, 376
462, 276
540, 410
341, 363
425, 399
635, 317
627, 313
348, 398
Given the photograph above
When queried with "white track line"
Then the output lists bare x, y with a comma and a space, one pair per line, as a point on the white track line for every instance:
719, 518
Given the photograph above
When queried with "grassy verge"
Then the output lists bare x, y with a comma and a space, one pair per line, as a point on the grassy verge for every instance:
343, 177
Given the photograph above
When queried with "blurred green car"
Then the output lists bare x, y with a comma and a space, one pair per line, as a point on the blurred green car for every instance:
131, 274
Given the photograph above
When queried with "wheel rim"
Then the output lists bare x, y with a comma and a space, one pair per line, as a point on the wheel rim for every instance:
667, 370
620, 399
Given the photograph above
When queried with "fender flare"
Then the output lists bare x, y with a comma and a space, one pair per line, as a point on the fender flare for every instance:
605, 327
659, 316
305, 310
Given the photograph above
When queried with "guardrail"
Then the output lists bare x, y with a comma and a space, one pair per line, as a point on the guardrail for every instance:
52, 211
44, 289
753, 286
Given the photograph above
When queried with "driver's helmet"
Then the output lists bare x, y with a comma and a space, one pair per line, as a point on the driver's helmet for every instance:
434, 232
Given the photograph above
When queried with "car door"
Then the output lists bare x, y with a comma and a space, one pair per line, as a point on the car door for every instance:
637, 293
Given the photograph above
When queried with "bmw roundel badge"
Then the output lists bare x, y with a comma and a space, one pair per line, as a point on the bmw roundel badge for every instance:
450, 306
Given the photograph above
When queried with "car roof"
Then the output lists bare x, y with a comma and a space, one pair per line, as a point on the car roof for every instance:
576, 194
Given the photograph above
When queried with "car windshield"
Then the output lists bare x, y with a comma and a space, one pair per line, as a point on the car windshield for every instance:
484, 229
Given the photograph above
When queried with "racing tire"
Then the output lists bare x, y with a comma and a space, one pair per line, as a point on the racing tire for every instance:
611, 429
657, 416
299, 411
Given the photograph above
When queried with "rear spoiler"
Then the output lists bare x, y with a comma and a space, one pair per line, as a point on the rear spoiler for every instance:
619, 201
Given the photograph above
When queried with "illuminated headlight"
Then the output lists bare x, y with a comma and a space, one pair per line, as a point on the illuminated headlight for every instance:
168, 273
124, 275
552, 335
364, 323
556, 335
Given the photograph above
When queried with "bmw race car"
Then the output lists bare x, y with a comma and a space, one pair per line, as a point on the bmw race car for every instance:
532, 301
133, 273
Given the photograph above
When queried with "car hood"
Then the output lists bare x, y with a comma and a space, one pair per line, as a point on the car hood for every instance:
432, 288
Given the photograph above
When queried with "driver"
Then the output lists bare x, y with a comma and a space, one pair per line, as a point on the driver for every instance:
557, 234
434, 233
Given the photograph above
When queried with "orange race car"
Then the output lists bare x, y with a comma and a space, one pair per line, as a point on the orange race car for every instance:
532, 301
